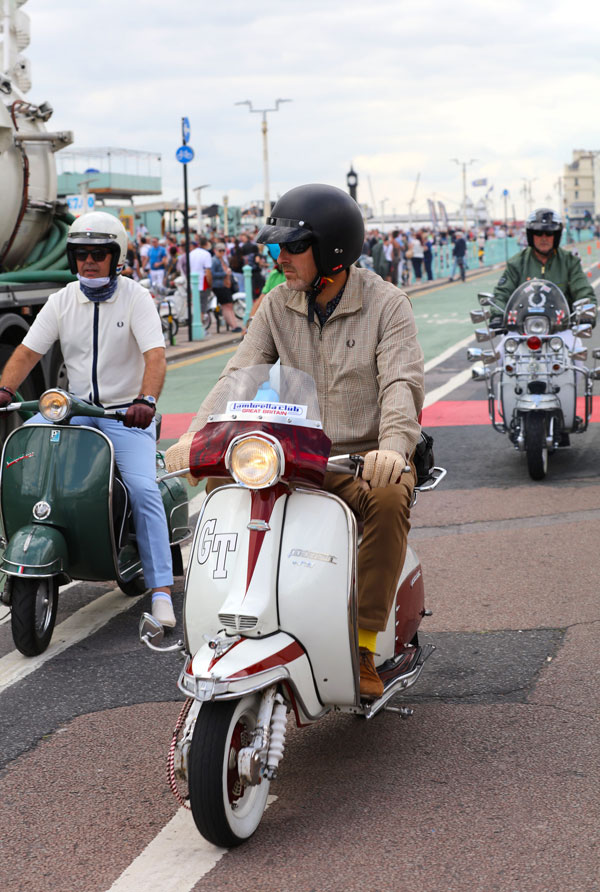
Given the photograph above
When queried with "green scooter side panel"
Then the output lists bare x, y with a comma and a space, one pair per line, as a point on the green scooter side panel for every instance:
36, 550
175, 503
71, 469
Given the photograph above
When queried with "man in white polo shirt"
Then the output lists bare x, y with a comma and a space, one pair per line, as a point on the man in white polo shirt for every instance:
201, 263
112, 343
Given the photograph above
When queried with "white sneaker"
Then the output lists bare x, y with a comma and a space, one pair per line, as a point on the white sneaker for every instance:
162, 609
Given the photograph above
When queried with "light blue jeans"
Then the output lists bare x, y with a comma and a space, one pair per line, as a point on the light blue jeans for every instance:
135, 454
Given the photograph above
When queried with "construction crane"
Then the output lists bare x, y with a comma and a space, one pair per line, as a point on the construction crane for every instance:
412, 201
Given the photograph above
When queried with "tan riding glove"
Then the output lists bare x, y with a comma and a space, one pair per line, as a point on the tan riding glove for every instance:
382, 467
177, 457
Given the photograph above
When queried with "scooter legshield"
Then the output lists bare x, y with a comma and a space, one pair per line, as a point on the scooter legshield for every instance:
71, 470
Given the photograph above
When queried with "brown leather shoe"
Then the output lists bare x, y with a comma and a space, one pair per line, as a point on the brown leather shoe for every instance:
371, 686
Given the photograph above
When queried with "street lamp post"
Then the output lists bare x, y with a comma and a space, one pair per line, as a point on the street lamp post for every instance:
263, 112
198, 192
464, 165
383, 201
352, 182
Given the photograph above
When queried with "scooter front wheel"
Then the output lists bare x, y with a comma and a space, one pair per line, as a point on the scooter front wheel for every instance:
34, 603
536, 446
226, 811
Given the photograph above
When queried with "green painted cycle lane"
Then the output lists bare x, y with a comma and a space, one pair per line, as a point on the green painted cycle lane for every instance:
442, 313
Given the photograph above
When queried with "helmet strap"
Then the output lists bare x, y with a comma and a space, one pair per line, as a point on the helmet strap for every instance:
317, 285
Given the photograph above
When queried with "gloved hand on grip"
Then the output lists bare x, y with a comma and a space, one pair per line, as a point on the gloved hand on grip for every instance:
177, 457
7, 396
382, 467
140, 414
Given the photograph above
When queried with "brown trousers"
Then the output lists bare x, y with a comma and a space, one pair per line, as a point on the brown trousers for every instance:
385, 513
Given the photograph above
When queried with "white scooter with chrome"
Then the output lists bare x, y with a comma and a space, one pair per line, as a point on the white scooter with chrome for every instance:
270, 612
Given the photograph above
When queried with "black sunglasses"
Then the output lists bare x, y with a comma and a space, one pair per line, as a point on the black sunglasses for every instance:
97, 254
543, 232
298, 247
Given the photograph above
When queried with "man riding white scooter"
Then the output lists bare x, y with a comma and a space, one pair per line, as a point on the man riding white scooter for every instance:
356, 336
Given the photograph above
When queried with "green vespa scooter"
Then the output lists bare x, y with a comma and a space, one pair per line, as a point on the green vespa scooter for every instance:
66, 514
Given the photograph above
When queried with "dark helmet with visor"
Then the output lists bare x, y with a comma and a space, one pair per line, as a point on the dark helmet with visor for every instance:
543, 220
326, 218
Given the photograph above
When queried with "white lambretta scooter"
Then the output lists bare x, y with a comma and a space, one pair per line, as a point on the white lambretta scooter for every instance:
270, 601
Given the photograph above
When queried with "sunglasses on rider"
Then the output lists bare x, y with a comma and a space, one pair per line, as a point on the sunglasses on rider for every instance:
97, 254
298, 247
543, 232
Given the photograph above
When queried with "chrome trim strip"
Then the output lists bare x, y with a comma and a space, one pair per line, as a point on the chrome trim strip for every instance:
282, 676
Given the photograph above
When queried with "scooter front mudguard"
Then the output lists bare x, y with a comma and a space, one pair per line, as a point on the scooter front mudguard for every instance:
252, 664
36, 550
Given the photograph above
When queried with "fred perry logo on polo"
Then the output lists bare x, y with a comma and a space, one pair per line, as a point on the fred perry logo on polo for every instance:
120, 324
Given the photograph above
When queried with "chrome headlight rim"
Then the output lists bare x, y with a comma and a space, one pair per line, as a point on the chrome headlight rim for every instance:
278, 456
536, 325
65, 405
511, 345
556, 344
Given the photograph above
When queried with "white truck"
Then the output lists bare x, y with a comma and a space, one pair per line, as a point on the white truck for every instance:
33, 223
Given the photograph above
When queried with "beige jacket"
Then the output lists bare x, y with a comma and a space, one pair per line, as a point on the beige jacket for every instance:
366, 361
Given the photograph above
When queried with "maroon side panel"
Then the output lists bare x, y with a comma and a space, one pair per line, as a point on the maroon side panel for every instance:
409, 607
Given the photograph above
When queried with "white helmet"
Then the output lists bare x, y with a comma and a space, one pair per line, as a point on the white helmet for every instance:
98, 228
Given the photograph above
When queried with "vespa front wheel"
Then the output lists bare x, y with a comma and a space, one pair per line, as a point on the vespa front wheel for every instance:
226, 811
33, 613
536, 446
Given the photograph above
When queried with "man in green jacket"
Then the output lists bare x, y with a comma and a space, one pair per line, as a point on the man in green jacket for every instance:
543, 259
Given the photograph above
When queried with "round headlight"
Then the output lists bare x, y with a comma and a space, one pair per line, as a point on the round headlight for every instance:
510, 345
556, 344
54, 405
255, 462
537, 325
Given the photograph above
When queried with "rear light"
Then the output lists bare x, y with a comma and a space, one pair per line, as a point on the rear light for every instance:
534, 343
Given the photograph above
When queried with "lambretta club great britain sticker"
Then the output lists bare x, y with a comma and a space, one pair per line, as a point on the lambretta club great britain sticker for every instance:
251, 409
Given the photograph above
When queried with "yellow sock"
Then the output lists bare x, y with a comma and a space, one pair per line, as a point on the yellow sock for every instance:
368, 639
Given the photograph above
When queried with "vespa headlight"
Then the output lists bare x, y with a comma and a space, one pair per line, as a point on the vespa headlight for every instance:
54, 405
556, 344
537, 325
510, 345
255, 460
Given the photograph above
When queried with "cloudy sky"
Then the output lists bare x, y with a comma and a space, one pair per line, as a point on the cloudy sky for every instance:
396, 88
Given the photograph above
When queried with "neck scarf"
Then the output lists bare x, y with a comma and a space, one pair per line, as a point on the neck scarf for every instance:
100, 289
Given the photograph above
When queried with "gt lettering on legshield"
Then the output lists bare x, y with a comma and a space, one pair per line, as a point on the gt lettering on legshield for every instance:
220, 544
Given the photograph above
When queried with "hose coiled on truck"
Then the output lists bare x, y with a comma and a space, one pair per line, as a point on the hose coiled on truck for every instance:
48, 261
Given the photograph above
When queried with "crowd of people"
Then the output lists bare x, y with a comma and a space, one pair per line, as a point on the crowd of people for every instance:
401, 257
218, 259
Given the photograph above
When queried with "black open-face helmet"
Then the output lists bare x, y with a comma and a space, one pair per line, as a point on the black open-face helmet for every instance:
543, 220
325, 216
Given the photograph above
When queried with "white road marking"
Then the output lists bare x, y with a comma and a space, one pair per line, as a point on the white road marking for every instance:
176, 859
448, 353
440, 392
84, 622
